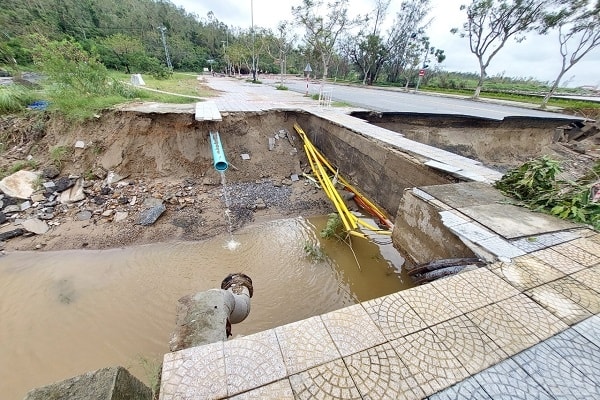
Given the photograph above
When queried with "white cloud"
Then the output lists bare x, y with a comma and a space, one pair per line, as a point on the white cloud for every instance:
536, 57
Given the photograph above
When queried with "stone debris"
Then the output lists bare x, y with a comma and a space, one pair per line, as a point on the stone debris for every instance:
19, 185
80, 144
35, 225
245, 156
150, 215
74, 193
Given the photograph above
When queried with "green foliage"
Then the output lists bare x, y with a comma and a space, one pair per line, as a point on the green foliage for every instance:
535, 185
59, 154
314, 251
531, 180
14, 98
19, 165
281, 87
334, 224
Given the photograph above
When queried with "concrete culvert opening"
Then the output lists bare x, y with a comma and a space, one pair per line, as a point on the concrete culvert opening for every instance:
135, 273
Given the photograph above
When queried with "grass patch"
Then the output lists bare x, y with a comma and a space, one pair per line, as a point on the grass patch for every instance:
281, 87
15, 98
59, 154
341, 104
181, 83
18, 166
314, 251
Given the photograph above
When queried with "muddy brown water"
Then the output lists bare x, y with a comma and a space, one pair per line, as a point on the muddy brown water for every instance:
68, 312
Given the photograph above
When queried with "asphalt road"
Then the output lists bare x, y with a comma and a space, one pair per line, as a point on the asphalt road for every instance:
399, 101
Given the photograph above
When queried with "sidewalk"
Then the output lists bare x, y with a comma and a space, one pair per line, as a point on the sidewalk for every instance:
524, 327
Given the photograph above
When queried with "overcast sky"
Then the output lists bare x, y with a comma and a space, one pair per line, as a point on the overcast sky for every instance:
537, 56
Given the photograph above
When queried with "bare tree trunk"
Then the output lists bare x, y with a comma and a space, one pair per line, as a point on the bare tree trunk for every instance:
480, 81
552, 89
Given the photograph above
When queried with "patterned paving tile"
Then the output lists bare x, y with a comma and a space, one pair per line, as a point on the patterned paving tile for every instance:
197, 372
590, 277
526, 272
327, 381
557, 375
280, 390
394, 317
506, 331
577, 253
429, 361
380, 374
490, 284
500, 247
421, 194
462, 293
534, 317
305, 344
579, 351
508, 380
429, 304
452, 218
469, 344
568, 299
469, 389
589, 245
352, 330
534, 243
473, 232
590, 328
558, 261
253, 361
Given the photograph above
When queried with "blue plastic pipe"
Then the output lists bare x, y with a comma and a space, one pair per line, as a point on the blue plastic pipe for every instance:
219, 161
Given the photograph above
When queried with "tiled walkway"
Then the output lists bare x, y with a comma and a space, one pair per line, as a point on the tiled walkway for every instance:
501, 331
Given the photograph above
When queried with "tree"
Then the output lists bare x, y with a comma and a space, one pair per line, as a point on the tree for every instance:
490, 23
125, 49
578, 24
367, 50
323, 29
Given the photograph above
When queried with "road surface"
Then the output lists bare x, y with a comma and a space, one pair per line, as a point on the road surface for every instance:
386, 100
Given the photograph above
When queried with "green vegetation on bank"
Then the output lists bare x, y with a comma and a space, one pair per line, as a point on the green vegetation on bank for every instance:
535, 185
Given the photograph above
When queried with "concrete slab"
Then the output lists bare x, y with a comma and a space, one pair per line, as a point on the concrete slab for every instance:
465, 194
207, 111
513, 222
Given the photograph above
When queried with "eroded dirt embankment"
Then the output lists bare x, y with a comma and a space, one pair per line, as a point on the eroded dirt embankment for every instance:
131, 161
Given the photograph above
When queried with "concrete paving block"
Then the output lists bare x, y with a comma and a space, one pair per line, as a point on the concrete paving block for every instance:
422, 195
196, 372
508, 380
590, 277
327, 381
253, 361
473, 232
556, 374
305, 344
507, 332
540, 322
469, 344
590, 328
556, 260
429, 304
468, 389
452, 219
429, 361
442, 166
280, 390
578, 253
352, 330
464, 295
527, 272
579, 351
500, 247
494, 287
380, 374
394, 316
568, 299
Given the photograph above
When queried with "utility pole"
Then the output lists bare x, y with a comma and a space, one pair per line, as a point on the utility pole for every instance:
162, 30
253, 48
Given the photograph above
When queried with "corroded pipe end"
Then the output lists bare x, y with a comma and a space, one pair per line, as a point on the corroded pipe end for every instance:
236, 281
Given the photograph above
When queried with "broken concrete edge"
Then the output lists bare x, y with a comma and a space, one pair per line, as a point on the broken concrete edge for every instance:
110, 383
